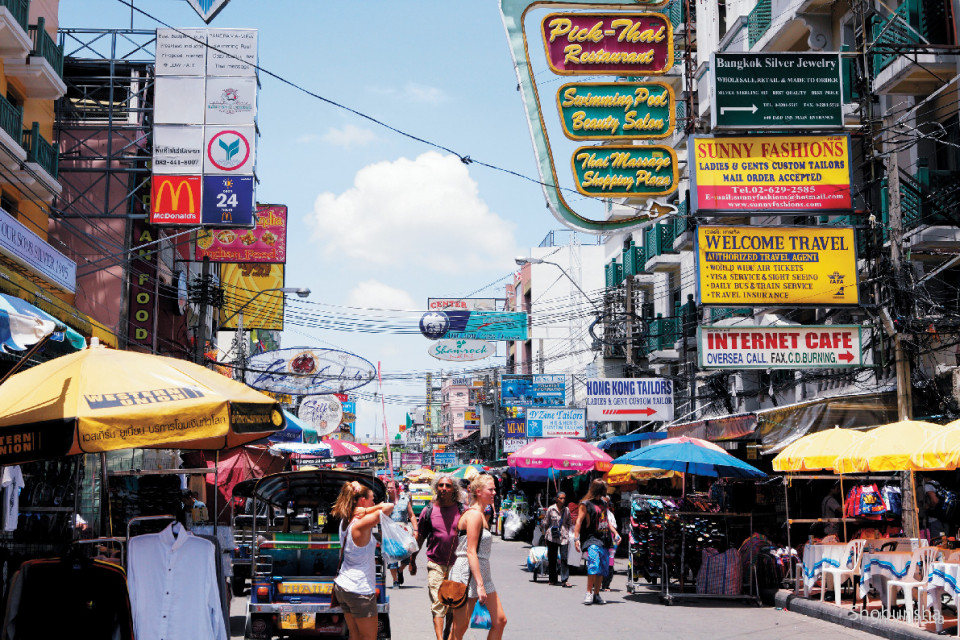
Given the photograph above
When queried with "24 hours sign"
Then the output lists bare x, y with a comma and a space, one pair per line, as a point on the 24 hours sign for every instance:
615, 399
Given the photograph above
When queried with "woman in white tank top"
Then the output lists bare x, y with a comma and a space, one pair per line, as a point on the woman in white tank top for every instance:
355, 584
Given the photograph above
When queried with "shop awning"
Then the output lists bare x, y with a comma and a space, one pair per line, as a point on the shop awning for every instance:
22, 324
713, 429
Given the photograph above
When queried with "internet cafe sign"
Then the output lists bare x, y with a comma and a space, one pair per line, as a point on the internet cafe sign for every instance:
794, 347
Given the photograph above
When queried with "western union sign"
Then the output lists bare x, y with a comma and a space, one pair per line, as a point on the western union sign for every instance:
175, 199
776, 266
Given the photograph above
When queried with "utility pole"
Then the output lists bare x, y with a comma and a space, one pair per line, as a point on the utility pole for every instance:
201, 341
496, 413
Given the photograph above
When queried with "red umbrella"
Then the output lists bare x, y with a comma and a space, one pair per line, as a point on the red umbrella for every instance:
563, 454
343, 451
697, 441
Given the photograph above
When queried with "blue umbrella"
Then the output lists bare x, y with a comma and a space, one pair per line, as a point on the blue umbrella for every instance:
296, 430
687, 457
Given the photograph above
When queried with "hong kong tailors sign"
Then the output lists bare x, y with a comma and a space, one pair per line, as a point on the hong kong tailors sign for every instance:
771, 266
763, 175
620, 44
779, 347
611, 170
629, 399
616, 110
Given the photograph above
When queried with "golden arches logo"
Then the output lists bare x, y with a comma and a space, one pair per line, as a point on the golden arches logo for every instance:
166, 186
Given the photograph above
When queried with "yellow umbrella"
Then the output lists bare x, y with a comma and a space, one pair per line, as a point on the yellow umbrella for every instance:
420, 474
621, 474
886, 448
816, 451
940, 451
102, 399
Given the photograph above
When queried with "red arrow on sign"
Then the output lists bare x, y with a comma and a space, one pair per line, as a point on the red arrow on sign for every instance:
846, 356
626, 412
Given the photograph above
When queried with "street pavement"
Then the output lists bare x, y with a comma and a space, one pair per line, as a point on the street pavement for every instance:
537, 610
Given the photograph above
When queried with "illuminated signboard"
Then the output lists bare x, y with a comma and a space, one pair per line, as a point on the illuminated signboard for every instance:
627, 44
627, 170
616, 110
795, 347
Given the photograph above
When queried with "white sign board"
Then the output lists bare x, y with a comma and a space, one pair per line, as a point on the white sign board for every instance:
511, 445
462, 350
26, 248
323, 413
462, 304
229, 150
792, 347
232, 52
178, 100
556, 423
231, 101
178, 150
181, 52
625, 399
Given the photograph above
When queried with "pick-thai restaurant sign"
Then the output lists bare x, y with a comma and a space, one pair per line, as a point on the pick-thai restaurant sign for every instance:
614, 399
628, 170
556, 423
266, 242
462, 350
796, 347
308, 371
770, 266
763, 175
622, 44
616, 110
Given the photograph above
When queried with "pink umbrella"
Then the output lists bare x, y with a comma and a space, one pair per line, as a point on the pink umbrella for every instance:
697, 441
562, 454
343, 451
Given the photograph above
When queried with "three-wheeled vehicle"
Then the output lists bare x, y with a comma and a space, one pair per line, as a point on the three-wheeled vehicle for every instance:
295, 555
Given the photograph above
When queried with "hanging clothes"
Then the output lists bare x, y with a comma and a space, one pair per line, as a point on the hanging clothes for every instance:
69, 598
11, 481
173, 586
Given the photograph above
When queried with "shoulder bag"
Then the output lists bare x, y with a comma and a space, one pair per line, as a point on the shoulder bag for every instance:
453, 594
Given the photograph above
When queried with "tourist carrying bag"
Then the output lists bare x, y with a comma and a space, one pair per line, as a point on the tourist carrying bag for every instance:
452, 593
396, 543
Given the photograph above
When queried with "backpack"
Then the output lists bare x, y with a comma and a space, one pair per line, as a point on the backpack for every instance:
948, 504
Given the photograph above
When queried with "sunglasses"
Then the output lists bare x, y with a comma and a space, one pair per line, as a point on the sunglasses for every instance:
444, 486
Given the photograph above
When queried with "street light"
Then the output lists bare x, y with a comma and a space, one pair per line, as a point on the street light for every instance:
521, 260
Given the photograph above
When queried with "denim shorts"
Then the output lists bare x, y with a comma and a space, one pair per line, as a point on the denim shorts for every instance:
598, 560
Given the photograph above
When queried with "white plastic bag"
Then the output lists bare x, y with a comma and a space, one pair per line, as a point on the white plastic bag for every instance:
396, 543
512, 525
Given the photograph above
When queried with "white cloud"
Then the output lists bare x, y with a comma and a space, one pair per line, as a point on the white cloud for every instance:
308, 138
414, 93
349, 136
372, 294
424, 213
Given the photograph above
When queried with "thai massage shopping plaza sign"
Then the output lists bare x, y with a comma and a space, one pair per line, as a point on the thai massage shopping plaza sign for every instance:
794, 347
774, 266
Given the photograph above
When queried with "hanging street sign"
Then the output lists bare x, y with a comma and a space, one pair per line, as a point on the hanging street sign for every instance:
484, 325
616, 110
229, 150
462, 350
776, 266
776, 91
629, 399
307, 371
620, 44
208, 9
228, 202
174, 199
614, 171
795, 347
323, 413
556, 423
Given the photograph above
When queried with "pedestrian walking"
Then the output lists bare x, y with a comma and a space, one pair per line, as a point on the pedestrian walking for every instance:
437, 533
614, 543
592, 536
556, 534
404, 515
472, 566
355, 586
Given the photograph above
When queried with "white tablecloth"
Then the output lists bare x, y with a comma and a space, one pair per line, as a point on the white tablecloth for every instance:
817, 556
944, 579
903, 544
879, 567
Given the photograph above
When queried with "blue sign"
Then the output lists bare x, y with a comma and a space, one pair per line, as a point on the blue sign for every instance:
515, 428
228, 202
445, 458
533, 390
434, 324
487, 325
349, 408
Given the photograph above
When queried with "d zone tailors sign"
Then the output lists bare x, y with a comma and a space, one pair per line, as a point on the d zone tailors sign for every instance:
794, 347
611, 399
556, 423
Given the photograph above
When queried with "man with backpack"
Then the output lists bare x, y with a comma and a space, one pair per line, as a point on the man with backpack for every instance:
933, 501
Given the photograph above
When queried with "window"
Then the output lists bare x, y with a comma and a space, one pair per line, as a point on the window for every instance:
8, 204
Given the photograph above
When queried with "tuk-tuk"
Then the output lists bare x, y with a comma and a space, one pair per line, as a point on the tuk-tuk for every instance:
295, 554
421, 494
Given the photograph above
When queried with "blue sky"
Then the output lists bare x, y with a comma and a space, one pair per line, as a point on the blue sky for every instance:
378, 220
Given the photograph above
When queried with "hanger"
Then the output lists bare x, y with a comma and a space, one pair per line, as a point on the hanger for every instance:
176, 528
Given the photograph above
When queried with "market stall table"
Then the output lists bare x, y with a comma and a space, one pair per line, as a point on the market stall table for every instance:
943, 579
880, 566
815, 556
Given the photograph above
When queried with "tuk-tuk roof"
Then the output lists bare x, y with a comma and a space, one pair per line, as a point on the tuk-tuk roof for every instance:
314, 488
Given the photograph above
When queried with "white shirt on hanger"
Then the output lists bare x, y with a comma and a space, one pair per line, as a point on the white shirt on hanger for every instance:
173, 587
12, 482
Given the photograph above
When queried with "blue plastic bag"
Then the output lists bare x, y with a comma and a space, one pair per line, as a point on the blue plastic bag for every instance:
396, 542
481, 617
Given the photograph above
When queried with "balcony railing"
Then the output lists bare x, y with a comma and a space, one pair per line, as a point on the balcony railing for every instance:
758, 22
40, 151
913, 22
926, 198
662, 334
658, 239
682, 222
11, 118
45, 47
681, 115
676, 12
613, 273
20, 10
721, 313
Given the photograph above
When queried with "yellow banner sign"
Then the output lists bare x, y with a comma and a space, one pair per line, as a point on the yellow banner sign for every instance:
770, 266
305, 588
244, 281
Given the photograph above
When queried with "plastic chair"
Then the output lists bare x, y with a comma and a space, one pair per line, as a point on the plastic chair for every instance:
841, 574
922, 566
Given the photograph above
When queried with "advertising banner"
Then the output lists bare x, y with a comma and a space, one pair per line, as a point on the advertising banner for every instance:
797, 347
515, 428
245, 281
629, 399
229, 149
464, 304
556, 423
511, 445
175, 199
445, 458
767, 266
178, 100
462, 350
620, 44
26, 248
323, 413
538, 390
348, 423
308, 371
227, 201
471, 420
181, 52
230, 101
487, 325
616, 110
178, 149
266, 242
411, 459
628, 170
766, 175
232, 52
776, 91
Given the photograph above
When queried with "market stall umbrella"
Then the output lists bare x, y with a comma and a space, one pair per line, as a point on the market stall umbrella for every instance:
312, 449
687, 457
102, 399
465, 471
422, 473
816, 451
296, 430
538, 460
940, 451
624, 474
886, 448
700, 442
343, 451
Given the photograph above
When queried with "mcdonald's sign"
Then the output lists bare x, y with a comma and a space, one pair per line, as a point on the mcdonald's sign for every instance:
175, 199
